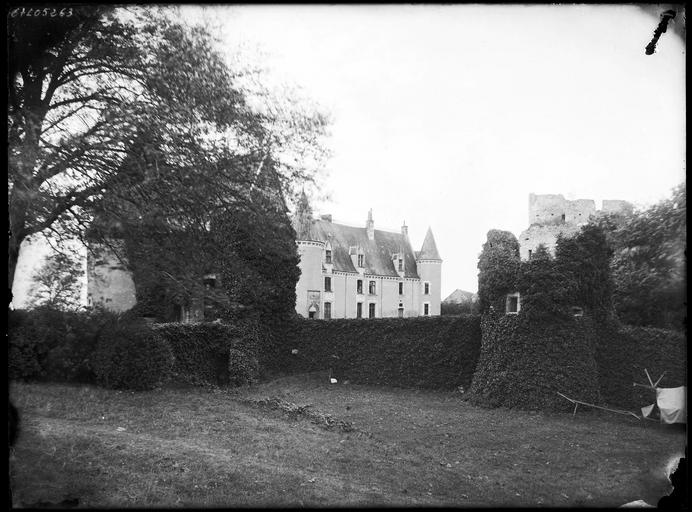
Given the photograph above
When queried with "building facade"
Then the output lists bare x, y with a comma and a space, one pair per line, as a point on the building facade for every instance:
362, 272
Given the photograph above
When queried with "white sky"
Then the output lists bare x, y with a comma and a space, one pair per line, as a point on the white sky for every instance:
449, 116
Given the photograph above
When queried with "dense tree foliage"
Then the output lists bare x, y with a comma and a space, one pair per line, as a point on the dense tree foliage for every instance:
498, 266
128, 116
648, 265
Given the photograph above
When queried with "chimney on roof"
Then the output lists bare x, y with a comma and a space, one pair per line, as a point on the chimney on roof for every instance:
370, 226
327, 217
404, 229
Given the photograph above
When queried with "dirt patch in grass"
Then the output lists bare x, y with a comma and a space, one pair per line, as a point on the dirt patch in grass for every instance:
266, 446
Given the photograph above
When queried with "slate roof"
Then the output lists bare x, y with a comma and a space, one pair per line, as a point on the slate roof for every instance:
429, 249
378, 252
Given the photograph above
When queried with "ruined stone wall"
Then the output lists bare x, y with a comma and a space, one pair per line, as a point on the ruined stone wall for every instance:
552, 214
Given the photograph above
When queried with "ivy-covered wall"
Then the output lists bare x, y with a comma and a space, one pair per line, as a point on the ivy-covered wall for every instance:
424, 352
524, 363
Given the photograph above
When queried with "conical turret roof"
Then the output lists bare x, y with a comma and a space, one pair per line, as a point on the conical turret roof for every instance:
429, 249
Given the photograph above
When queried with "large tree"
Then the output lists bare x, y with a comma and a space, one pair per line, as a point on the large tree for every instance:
648, 265
108, 102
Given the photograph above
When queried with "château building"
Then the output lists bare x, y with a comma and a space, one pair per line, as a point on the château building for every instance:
363, 272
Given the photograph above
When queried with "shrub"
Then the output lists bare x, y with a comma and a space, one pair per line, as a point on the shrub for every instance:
42, 342
131, 355
524, 364
25, 353
69, 360
426, 352
242, 368
202, 350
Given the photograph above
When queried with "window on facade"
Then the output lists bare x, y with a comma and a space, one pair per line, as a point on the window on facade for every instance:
328, 256
563, 216
311, 314
401, 312
327, 284
426, 309
371, 310
371, 288
327, 310
426, 288
401, 265
359, 286
360, 261
512, 305
359, 310
401, 288
530, 252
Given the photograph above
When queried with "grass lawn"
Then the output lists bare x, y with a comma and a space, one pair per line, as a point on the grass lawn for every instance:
199, 447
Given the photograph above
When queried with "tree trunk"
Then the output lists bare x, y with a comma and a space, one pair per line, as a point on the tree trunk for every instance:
12, 257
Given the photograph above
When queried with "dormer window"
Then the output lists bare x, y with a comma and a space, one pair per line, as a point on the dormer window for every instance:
401, 264
328, 256
360, 260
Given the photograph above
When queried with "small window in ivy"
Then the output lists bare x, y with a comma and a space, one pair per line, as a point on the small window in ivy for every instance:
327, 284
359, 286
577, 311
328, 256
512, 304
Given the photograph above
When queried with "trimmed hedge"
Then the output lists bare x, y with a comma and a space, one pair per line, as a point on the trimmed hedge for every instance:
203, 351
132, 356
524, 364
48, 344
617, 354
425, 352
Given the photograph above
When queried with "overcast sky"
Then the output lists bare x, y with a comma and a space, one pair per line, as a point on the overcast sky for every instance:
449, 116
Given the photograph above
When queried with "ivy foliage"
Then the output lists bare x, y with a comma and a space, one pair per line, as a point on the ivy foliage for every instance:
131, 355
524, 363
544, 287
584, 263
214, 353
498, 267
